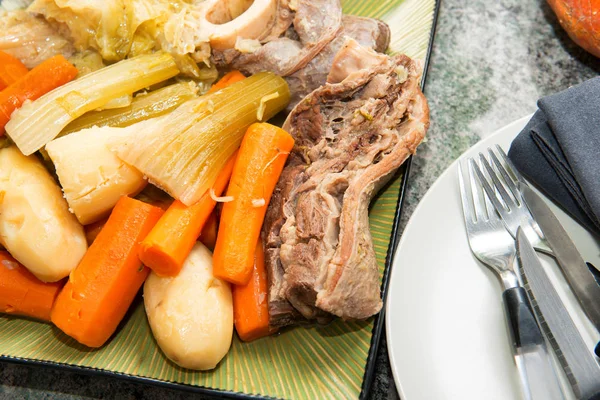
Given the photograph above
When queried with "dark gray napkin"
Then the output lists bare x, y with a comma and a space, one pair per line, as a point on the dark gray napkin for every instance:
559, 151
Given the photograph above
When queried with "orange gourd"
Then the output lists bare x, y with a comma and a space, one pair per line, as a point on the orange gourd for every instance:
581, 20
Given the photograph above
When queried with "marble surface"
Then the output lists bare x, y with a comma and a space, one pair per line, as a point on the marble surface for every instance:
491, 61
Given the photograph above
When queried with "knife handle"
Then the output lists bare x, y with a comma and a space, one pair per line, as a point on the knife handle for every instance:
536, 372
524, 330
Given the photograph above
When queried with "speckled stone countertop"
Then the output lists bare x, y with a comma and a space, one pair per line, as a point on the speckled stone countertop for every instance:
491, 61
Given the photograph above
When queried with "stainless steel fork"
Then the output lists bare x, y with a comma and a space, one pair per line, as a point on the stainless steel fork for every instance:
507, 199
491, 244
500, 180
488, 239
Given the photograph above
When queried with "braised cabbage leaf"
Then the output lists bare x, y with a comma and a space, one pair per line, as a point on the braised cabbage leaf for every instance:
115, 28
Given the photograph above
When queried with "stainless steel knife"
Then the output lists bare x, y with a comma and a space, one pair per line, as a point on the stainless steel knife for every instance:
577, 360
571, 263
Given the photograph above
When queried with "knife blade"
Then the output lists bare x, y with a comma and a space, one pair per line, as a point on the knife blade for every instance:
577, 361
571, 263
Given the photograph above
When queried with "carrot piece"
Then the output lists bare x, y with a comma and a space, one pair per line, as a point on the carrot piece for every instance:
169, 243
11, 69
50, 74
263, 153
102, 287
250, 306
226, 80
21, 293
208, 236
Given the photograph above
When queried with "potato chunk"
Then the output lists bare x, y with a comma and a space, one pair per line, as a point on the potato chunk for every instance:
92, 177
191, 315
36, 226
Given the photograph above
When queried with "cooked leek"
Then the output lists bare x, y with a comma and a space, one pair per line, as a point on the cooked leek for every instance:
183, 152
40, 121
151, 105
117, 102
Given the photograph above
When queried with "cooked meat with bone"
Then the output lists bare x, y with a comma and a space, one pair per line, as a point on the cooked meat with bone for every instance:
368, 32
351, 135
315, 24
301, 47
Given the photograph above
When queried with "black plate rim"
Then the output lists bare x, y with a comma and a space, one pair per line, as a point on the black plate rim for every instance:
378, 323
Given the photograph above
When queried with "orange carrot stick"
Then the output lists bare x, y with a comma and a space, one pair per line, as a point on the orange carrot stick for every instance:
50, 74
170, 242
263, 153
226, 80
208, 236
11, 69
250, 305
102, 287
21, 293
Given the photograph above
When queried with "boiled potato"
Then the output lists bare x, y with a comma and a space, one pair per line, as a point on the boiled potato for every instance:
191, 315
36, 226
92, 177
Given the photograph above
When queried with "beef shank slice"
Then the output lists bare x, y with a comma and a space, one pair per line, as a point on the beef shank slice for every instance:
351, 136
301, 43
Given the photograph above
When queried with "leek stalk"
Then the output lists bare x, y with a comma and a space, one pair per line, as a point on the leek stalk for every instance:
183, 152
147, 106
40, 121
117, 102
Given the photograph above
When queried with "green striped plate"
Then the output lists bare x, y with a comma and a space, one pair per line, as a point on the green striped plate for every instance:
303, 362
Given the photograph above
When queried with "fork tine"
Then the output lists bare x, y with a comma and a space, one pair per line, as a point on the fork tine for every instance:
510, 203
491, 210
488, 189
516, 175
477, 193
489, 207
507, 178
465, 196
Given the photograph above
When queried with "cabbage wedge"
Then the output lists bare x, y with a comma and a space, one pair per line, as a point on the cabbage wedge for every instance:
112, 27
40, 121
182, 152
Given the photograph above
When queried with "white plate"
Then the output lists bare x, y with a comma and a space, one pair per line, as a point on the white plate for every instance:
446, 332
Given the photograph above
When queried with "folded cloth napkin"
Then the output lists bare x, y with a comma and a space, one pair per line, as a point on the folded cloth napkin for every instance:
559, 151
